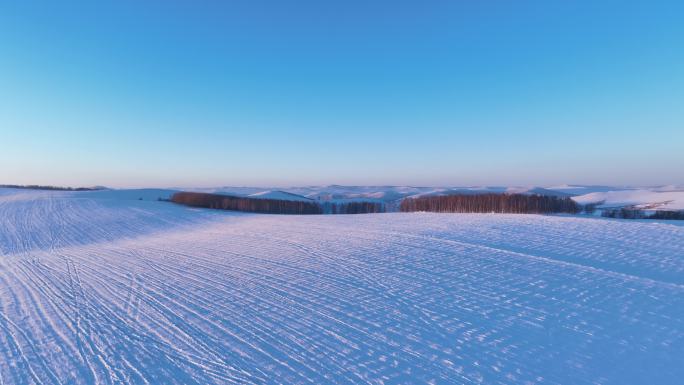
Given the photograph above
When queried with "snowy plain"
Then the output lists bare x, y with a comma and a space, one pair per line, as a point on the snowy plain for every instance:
103, 287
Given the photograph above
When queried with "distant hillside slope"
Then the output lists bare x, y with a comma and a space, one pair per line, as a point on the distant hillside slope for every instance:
279, 195
642, 199
51, 188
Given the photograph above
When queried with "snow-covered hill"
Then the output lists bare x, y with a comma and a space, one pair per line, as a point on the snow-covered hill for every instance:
279, 195
640, 198
95, 289
146, 194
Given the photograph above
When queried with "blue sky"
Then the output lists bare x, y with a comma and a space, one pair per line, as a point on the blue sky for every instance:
207, 93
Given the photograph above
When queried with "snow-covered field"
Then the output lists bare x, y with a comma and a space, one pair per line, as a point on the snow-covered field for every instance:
101, 287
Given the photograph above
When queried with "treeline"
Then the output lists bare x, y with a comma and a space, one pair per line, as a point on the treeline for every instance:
274, 206
491, 203
634, 213
623, 212
252, 205
353, 207
54, 188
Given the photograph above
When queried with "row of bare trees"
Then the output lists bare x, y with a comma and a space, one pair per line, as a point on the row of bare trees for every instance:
635, 213
623, 212
491, 203
353, 207
662, 214
479, 203
253, 205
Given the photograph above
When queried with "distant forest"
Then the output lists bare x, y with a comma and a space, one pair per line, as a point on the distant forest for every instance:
479, 203
634, 213
353, 207
491, 203
252, 205
274, 206
54, 188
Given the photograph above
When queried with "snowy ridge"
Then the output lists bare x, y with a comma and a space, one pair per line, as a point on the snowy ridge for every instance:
645, 199
279, 195
46, 220
145, 194
99, 290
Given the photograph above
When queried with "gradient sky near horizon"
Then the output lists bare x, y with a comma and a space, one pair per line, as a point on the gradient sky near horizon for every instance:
281, 93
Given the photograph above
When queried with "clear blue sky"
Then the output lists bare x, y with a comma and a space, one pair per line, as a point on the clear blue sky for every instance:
207, 93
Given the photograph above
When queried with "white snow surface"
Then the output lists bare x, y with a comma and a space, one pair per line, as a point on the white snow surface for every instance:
642, 198
279, 195
97, 289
